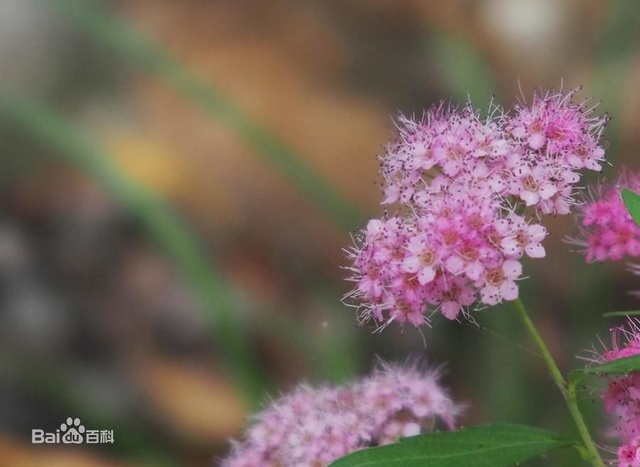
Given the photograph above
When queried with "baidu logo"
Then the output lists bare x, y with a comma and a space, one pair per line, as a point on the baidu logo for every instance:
71, 432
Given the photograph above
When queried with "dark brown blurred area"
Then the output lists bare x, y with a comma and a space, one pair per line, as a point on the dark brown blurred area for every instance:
96, 323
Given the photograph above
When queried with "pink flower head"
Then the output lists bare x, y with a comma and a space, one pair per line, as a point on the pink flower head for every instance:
622, 397
459, 181
421, 258
314, 426
499, 283
629, 454
520, 236
453, 296
558, 138
607, 231
553, 125
533, 184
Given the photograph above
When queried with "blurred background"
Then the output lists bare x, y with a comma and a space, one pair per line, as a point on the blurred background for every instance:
178, 181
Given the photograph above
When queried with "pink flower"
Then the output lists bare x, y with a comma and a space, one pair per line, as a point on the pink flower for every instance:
454, 295
607, 231
314, 426
533, 184
521, 237
622, 397
468, 258
559, 137
405, 402
554, 125
629, 454
500, 283
459, 179
422, 259
586, 155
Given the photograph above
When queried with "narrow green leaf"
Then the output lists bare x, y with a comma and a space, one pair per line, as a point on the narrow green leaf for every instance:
484, 446
621, 366
613, 314
464, 70
163, 224
632, 203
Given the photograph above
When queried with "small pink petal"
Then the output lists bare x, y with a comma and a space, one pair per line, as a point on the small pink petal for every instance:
450, 309
633, 247
474, 270
510, 246
426, 275
529, 197
536, 140
512, 269
509, 290
411, 264
490, 295
454, 264
535, 250
547, 190
536, 233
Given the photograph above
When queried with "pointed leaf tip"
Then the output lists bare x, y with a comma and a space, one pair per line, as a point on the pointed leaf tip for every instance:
498, 445
632, 203
620, 366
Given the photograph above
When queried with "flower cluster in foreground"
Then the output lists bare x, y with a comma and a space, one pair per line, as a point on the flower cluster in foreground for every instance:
314, 426
469, 192
622, 397
607, 231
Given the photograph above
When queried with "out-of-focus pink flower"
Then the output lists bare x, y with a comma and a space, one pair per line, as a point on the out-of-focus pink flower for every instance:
622, 397
314, 426
607, 231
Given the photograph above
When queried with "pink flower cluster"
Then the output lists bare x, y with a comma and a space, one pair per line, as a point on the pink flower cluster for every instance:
622, 398
314, 426
463, 185
607, 231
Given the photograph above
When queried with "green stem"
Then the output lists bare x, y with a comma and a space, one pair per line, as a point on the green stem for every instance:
568, 392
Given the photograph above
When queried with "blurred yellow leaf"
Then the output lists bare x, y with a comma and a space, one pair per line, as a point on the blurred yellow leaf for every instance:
150, 163
197, 403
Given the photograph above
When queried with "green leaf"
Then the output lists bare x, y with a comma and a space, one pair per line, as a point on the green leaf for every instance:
574, 377
621, 366
613, 314
464, 69
483, 446
632, 203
